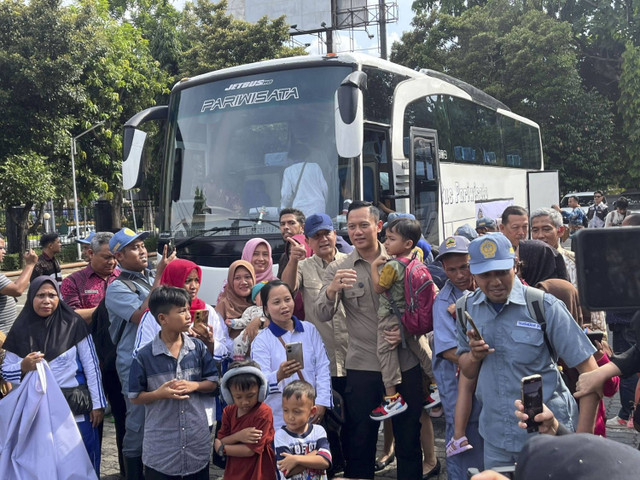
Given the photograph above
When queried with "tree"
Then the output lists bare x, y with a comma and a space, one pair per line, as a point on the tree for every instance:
121, 77
41, 63
527, 60
629, 107
25, 181
215, 40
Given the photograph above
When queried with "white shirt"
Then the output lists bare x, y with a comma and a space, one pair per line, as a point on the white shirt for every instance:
311, 196
64, 368
269, 353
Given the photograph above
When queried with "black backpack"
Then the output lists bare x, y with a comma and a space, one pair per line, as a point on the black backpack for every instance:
105, 348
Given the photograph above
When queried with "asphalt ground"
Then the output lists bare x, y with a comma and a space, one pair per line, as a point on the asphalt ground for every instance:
110, 469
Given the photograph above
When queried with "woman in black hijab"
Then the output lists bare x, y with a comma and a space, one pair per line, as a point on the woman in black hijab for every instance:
47, 328
539, 262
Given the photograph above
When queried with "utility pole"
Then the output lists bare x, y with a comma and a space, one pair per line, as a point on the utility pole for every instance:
382, 17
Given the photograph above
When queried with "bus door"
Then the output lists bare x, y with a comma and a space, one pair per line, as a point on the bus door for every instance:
424, 171
376, 165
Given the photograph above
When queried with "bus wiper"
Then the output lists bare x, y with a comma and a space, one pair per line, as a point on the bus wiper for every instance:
258, 221
213, 230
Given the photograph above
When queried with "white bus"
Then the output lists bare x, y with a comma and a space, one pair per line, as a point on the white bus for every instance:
313, 132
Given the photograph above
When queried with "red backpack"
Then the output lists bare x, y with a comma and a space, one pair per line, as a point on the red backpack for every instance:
419, 294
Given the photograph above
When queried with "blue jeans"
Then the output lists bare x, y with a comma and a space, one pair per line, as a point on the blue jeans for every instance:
623, 339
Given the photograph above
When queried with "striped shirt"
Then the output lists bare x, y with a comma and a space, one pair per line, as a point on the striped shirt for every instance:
176, 433
314, 439
7, 306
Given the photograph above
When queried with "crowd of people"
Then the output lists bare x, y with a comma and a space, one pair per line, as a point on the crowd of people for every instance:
292, 373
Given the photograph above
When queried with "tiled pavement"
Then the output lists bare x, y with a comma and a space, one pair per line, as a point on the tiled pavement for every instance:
110, 460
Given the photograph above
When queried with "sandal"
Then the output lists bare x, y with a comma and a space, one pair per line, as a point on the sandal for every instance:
454, 447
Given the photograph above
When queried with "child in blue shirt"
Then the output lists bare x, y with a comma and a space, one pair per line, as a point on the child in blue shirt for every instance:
171, 376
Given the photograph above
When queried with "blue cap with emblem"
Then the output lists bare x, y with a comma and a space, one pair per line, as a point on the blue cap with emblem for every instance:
124, 237
453, 244
491, 252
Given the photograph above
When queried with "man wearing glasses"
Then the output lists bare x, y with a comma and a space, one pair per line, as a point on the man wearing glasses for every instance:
598, 211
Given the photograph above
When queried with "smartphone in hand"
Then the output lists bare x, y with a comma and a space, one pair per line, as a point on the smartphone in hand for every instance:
531, 388
477, 335
201, 316
294, 352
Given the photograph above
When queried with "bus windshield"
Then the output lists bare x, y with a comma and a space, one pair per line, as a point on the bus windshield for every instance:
243, 148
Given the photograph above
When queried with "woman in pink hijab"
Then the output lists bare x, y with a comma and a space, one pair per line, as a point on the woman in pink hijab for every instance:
257, 252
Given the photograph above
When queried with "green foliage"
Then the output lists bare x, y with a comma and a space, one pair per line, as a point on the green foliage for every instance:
11, 262
214, 40
527, 60
629, 108
25, 179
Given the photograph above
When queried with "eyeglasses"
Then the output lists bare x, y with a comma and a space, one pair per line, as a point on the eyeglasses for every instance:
597, 196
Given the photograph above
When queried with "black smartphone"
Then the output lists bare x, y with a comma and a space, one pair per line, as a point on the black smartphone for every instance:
531, 388
477, 335
608, 262
294, 352
595, 336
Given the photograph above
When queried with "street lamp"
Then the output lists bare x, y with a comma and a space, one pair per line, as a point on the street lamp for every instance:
73, 175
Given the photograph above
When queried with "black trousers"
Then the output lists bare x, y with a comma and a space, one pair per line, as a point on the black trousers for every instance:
337, 438
364, 392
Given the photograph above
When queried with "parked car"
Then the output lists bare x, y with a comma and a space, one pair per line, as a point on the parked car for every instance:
585, 199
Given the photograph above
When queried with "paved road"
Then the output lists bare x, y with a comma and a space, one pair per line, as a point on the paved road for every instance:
110, 460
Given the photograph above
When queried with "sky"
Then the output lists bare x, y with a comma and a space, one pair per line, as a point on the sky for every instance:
361, 41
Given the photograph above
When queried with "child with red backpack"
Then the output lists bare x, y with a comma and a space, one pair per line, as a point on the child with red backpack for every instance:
406, 299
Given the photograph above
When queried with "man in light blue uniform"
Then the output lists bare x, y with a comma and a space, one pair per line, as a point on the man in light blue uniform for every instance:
126, 307
455, 261
513, 347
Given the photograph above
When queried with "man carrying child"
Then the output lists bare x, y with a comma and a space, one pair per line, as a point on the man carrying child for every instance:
347, 282
402, 236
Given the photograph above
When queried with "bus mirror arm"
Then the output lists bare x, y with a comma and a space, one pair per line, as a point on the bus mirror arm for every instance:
133, 143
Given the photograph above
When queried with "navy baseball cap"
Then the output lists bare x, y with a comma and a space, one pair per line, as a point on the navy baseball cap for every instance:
316, 222
454, 244
86, 240
491, 252
124, 237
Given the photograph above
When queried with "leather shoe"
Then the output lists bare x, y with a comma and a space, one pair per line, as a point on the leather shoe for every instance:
382, 465
434, 472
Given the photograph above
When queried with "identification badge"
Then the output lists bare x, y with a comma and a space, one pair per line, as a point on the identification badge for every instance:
533, 325
89, 292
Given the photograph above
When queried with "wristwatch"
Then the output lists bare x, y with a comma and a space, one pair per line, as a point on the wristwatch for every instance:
262, 322
221, 452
